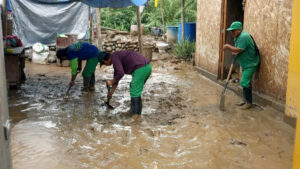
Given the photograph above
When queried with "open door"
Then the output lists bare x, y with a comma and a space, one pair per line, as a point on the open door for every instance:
232, 10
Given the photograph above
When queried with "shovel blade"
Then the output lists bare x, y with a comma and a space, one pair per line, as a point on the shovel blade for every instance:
108, 105
222, 102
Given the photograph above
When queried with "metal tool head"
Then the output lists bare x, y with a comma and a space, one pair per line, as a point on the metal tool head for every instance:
109, 106
222, 102
67, 93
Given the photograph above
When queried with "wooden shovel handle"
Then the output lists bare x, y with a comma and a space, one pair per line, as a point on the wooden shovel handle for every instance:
230, 70
229, 73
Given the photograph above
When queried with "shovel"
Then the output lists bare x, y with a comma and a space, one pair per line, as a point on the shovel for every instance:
222, 97
67, 93
107, 102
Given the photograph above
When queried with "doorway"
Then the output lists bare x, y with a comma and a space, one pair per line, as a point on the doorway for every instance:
232, 10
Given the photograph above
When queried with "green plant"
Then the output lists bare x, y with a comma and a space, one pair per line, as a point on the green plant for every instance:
184, 50
123, 18
120, 19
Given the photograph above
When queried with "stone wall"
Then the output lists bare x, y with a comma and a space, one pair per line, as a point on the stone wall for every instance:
118, 45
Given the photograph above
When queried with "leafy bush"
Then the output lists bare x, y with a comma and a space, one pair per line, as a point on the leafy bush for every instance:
184, 50
120, 19
123, 18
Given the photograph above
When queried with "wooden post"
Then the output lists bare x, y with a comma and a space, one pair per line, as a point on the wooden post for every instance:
223, 39
162, 15
91, 26
98, 16
5, 154
4, 18
182, 20
139, 28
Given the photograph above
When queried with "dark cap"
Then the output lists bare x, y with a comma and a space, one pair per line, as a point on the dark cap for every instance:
103, 56
60, 53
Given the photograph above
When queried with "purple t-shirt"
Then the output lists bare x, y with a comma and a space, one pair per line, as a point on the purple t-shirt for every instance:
126, 62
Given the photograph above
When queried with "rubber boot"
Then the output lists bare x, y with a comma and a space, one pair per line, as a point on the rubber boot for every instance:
92, 83
248, 97
136, 105
86, 84
136, 111
243, 102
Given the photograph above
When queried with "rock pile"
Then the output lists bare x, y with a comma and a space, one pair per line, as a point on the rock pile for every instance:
118, 45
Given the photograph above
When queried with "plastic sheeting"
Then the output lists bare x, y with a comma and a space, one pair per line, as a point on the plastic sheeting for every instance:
40, 22
52, 1
113, 3
102, 3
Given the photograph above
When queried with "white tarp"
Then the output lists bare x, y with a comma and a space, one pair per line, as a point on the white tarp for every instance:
41, 22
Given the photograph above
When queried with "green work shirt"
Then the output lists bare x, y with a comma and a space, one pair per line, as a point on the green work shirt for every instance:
247, 58
74, 65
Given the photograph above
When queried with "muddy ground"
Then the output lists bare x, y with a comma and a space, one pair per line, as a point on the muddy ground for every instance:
181, 127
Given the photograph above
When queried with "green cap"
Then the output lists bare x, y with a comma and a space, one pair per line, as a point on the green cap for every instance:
235, 25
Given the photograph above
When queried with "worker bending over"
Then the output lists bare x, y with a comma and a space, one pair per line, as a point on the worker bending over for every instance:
76, 53
135, 64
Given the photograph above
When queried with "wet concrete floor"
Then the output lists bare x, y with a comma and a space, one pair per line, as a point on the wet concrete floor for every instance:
181, 127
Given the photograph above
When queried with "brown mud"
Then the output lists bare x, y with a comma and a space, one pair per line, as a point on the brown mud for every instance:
181, 126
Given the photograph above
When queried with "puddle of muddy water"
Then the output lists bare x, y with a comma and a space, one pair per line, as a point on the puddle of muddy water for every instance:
181, 128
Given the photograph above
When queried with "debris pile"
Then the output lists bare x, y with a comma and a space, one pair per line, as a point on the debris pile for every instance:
117, 45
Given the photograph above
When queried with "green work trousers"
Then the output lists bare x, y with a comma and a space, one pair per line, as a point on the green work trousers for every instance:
247, 74
139, 78
90, 67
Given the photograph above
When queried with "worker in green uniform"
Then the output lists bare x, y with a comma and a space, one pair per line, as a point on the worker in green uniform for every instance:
247, 55
76, 53
131, 63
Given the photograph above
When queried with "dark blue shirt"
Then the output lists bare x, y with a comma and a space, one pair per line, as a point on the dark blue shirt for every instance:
82, 51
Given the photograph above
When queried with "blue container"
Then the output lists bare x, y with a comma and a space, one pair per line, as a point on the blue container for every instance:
172, 34
189, 32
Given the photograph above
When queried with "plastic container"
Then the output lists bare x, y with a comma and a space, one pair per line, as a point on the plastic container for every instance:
172, 34
147, 52
134, 30
189, 32
157, 31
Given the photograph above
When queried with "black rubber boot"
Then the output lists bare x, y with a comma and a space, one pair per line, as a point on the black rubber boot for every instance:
86, 84
92, 83
248, 94
136, 105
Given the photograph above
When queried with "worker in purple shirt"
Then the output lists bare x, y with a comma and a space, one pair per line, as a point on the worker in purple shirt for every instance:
135, 64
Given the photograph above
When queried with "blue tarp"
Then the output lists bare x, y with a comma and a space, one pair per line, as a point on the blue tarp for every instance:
113, 3
41, 22
101, 3
8, 6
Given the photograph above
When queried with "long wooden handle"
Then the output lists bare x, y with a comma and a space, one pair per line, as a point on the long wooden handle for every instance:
229, 73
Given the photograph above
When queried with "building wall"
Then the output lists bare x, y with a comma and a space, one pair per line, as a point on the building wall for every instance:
270, 24
293, 91
293, 87
208, 34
